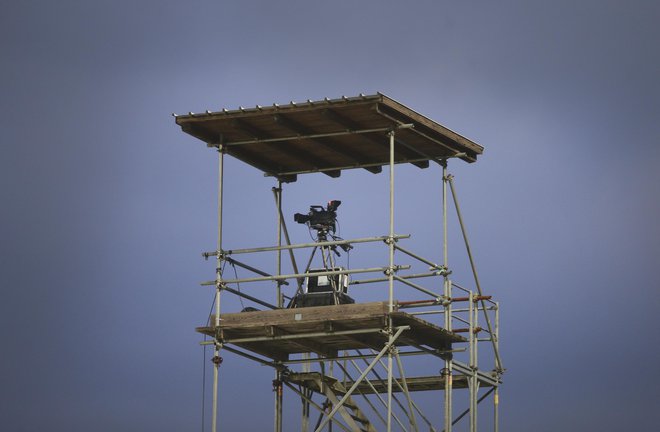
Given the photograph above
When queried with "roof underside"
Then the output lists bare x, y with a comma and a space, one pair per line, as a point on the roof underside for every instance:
328, 136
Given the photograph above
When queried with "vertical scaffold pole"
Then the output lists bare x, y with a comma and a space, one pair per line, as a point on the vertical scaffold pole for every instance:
278, 386
218, 286
496, 396
278, 198
445, 258
391, 285
447, 371
473, 382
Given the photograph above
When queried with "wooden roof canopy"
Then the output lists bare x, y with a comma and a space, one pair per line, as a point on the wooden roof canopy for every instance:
327, 136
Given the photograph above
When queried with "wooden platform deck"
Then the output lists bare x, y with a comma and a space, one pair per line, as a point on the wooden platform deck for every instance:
325, 330
424, 383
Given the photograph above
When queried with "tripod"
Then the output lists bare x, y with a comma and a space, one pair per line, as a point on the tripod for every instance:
328, 253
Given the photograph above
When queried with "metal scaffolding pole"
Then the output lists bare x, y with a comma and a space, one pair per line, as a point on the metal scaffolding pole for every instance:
374, 408
447, 371
278, 200
391, 285
404, 387
496, 403
278, 389
277, 192
277, 383
496, 350
299, 275
464, 413
306, 245
496, 396
376, 394
399, 354
307, 398
362, 376
282, 229
218, 288
473, 381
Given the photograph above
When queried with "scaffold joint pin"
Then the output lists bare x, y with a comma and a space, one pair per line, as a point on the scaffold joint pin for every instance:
441, 270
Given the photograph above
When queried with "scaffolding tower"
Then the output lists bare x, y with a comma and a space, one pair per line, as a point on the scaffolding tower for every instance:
349, 361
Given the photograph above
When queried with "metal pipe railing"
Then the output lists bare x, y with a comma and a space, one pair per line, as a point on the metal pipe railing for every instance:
303, 245
299, 275
412, 276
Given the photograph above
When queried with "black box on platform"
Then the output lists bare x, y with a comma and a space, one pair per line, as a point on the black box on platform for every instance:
326, 283
320, 299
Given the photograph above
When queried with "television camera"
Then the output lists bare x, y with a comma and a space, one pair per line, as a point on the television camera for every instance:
320, 218
321, 288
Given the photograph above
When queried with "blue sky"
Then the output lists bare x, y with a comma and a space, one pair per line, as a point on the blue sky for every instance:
108, 205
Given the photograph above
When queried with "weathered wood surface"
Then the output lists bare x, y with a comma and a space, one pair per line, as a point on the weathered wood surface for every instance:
301, 316
322, 330
283, 140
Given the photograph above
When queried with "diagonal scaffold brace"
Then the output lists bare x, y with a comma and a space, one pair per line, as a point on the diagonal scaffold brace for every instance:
364, 374
450, 179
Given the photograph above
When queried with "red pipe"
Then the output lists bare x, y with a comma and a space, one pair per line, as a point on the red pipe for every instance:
474, 298
417, 302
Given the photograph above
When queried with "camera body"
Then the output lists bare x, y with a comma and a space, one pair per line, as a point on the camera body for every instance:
320, 218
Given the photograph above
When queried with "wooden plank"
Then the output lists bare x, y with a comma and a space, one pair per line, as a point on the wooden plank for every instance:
424, 332
310, 380
339, 117
430, 124
271, 351
318, 329
314, 314
414, 384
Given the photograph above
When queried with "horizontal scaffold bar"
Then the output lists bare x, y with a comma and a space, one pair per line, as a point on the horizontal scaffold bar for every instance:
251, 357
305, 136
385, 279
367, 356
441, 311
486, 298
304, 245
310, 335
302, 275
419, 288
467, 370
422, 259
251, 298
